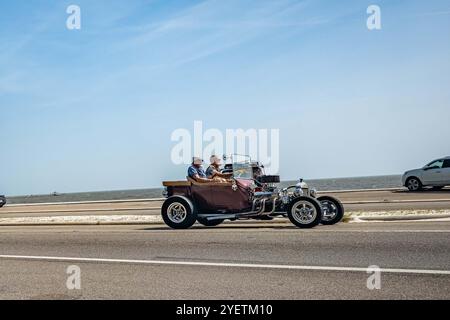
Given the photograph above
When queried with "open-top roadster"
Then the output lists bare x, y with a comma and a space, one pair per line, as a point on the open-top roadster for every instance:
249, 195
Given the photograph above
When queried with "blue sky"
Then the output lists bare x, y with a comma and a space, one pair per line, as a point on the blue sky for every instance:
93, 109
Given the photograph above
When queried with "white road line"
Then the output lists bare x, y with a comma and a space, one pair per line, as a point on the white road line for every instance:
79, 210
82, 202
225, 264
380, 231
270, 229
394, 201
309, 232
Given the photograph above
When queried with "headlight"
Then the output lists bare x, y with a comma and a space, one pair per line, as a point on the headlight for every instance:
313, 192
165, 193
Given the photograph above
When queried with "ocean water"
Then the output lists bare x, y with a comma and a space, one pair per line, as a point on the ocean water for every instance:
375, 182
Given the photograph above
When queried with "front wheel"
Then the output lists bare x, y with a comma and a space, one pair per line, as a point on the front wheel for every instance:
178, 212
304, 212
414, 184
332, 210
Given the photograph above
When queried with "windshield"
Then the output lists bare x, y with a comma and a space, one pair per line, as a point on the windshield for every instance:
435, 164
242, 170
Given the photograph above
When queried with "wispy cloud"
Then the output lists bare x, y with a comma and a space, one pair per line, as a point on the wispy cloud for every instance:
214, 26
434, 13
178, 38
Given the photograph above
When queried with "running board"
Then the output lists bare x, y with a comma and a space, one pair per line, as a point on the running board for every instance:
218, 216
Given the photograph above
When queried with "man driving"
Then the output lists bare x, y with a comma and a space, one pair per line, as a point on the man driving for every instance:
213, 171
196, 172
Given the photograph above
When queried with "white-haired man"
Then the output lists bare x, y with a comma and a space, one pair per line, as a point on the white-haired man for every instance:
213, 171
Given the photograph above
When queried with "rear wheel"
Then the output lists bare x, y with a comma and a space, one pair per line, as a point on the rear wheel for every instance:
332, 210
304, 212
414, 184
209, 223
178, 212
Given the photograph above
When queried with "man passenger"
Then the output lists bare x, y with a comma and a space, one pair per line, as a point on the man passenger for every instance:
196, 172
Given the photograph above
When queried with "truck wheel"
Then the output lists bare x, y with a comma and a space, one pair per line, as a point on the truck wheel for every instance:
178, 212
332, 210
211, 223
413, 184
304, 212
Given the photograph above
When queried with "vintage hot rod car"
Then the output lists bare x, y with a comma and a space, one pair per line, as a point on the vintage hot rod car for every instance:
249, 195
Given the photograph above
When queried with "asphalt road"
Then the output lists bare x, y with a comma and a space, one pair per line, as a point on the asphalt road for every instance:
233, 261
